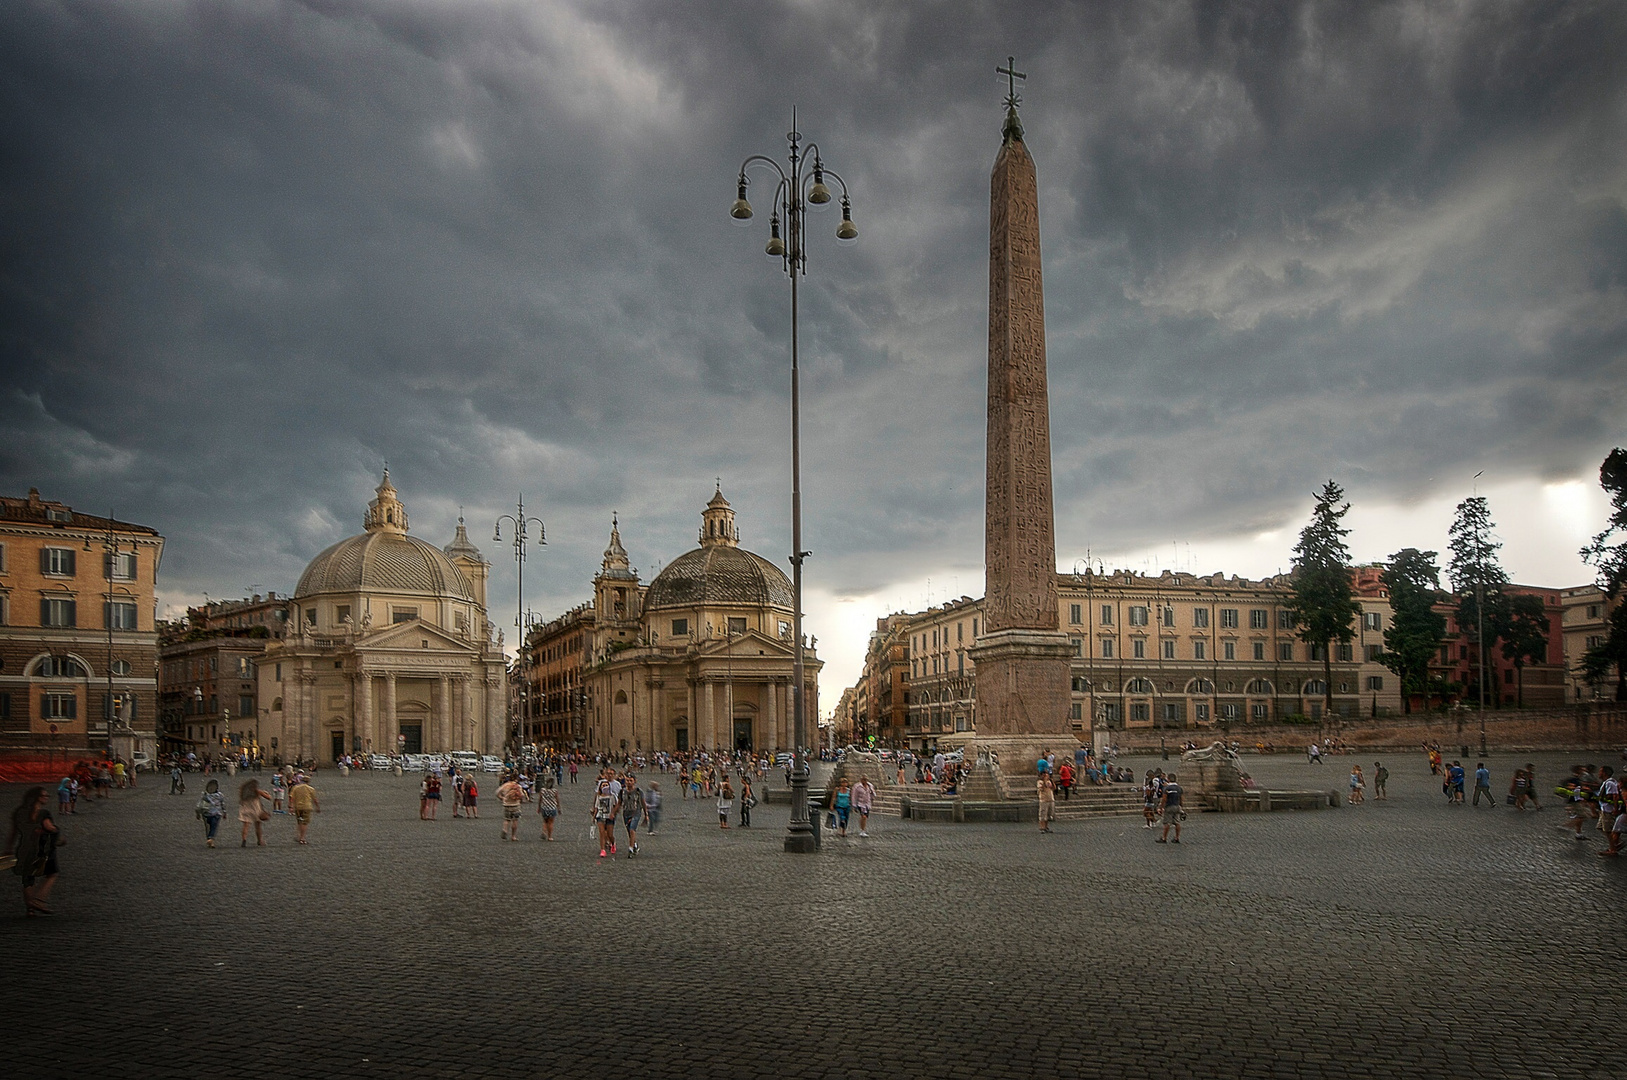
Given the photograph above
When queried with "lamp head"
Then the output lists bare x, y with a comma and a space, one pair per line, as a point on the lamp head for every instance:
819, 194
776, 246
847, 230
741, 210
497, 532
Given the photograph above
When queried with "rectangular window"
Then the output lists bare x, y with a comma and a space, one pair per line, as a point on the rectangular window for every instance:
680, 627
1228, 618
960, 632
341, 614
1107, 614
1285, 620
2, 558
245, 704
1285, 650
1345, 652
310, 616
1200, 617
1373, 652
120, 566
1076, 712
1107, 648
1074, 614
1078, 647
1228, 650
58, 562
5, 704
1169, 649
1141, 711
737, 624
1110, 712
1200, 650
1171, 714
1375, 682
119, 615
1593, 611
57, 613
1319, 652
1203, 712
279, 673
1260, 712
1228, 712
974, 629
59, 706
1138, 615
400, 614
1257, 619
1371, 620
1259, 650
1167, 615
1139, 646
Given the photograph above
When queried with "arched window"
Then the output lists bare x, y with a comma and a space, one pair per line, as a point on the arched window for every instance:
1316, 688
1260, 687
621, 697
1138, 686
276, 704
1200, 686
59, 667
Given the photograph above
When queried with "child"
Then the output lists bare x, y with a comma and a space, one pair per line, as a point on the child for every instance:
725, 801
279, 788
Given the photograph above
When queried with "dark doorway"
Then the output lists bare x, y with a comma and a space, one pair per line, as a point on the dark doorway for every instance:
742, 735
338, 745
683, 739
414, 734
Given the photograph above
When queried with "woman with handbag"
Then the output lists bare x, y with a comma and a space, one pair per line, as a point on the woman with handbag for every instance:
34, 840
251, 812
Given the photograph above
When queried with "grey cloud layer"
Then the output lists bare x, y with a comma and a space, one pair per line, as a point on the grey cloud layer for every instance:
253, 250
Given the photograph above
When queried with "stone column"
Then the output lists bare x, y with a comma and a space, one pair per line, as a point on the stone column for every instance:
466, 716
364, 704
771, 716
440, 705
387, 721
310, 721
727, 734
496, 706
709, 724
694, 719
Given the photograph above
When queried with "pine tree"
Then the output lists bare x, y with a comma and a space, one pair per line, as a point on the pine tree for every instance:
1416, 629
1477, 579
1324, 604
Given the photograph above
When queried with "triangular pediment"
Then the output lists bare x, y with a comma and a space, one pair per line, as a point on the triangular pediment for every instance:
412, 635
751, 643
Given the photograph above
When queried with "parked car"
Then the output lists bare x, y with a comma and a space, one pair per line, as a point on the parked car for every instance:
380, 761
414, 762
466, 760
141, 760
491, 764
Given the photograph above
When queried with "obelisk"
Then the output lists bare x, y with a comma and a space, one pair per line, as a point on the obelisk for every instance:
1023, 688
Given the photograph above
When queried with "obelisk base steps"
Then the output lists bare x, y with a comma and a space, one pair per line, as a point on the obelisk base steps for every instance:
1023, 702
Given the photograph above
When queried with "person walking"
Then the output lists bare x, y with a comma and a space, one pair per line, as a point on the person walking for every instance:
632, 810
747, 801
842, 802
251, 812
471, 797
177, 786
652, 806
1358, 786
210, 808
1313, 754
1454, 783
512, 796
725, 802
1170, 803
864, 800
548, 803
279, 792
604, 813
1482, 785
1064, 776
33, 842
1047, 800
1149, 800
303, 802
1381, 776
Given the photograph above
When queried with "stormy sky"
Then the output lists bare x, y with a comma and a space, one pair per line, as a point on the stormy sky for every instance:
253, 250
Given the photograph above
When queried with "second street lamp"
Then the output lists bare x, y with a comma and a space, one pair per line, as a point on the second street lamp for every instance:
799, 183
520, 524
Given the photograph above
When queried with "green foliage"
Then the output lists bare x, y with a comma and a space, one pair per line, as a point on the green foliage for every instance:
1611, 559
1610, 653
1324, 605
1416, 629
1477, 577
1525, 635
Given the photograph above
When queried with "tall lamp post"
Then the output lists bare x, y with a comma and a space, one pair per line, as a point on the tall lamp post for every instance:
800, 184
520, 525
111, 549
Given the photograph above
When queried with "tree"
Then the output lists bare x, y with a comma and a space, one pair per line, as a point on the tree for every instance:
1477, 578
1416, 629
1525, 638
1611, 559
1324, 604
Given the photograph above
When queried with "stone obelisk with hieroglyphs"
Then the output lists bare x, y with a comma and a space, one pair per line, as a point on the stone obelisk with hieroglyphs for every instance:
1023, 689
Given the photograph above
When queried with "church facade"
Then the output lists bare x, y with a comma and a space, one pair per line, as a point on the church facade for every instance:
700, 657
387, 649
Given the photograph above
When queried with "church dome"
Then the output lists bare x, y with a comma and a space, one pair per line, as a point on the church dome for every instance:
384, 559
719, 575
719, 572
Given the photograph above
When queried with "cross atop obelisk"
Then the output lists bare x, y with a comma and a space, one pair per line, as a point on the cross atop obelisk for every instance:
1014, 127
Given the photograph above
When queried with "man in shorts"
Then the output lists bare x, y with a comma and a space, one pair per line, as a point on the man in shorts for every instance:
632, 810
1170, 803
512, 795
303, 802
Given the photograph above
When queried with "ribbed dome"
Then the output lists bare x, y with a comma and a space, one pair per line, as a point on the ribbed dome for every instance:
383, 562
718, 574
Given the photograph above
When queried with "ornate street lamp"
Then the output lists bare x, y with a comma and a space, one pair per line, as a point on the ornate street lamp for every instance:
799, 185
520, 527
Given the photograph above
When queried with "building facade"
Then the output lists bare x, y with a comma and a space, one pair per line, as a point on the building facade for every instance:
388, 648
1532, 683
558, 653
700, 657
208, 675
1584, 613
78, 636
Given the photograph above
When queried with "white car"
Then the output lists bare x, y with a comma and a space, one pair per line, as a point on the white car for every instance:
380, 761
466, 760
139, 760
414, 762
491, 764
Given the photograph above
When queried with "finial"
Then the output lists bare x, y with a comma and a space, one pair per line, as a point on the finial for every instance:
1013, 128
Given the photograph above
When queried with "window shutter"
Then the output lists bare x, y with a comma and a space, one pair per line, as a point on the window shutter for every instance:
107, 614
45, 605
45, 561
45, 706
73, 708
73, 610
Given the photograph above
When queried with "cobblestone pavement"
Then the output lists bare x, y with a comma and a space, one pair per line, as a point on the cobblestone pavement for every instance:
1393, 939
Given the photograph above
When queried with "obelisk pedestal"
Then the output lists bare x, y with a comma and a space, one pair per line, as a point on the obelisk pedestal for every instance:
1023, 659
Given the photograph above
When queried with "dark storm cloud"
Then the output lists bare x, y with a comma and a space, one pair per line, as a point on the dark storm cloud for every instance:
252, 250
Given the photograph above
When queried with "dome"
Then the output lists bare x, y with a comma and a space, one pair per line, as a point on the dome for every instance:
383, 562
385, 559
717, 575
